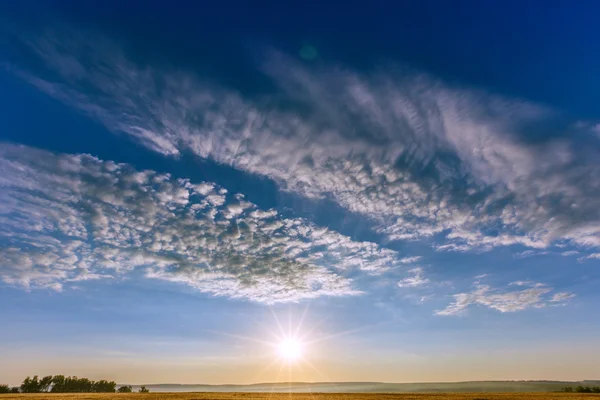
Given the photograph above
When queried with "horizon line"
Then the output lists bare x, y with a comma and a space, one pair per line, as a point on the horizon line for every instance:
364, 382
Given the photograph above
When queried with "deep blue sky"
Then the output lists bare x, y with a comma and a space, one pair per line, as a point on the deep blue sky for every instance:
522, 49
420, 180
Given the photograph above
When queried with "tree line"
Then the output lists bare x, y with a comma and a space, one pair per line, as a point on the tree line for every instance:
581, 389
67, 384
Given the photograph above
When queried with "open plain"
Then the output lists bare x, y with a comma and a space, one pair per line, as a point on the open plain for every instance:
302, 396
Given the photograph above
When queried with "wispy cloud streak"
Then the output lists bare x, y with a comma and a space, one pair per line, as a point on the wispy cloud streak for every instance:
530, 295
420, 158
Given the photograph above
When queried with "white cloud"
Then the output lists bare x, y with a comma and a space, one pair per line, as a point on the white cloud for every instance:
410, 260
569, 253
418, 157
417, 279
523, 283
593, 256
530, 253
533, 296
69, 218
561, 297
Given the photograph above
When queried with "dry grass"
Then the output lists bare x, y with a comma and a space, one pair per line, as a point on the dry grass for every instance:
304, 396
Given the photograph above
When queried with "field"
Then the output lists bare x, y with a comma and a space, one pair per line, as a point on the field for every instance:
304, 396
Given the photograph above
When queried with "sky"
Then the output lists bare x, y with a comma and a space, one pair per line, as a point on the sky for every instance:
408, 191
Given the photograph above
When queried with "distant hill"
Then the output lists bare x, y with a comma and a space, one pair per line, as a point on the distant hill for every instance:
376, 387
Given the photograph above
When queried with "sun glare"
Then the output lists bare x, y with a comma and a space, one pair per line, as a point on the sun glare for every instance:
290, 350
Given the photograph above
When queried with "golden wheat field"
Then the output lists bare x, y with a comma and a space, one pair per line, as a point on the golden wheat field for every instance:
303, 396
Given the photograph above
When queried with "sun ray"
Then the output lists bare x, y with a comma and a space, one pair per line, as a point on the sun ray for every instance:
291, 342
340, 334
301, 321
248, 338
327, 379
281, 330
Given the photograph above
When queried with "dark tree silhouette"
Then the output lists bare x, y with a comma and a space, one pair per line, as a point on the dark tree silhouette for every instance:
144, 390
103, 386
4, 389
58, 384
30, 385
69, 384
44, 383
125, 389
582, 389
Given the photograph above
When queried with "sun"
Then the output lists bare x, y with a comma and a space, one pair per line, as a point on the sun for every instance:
290, 349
